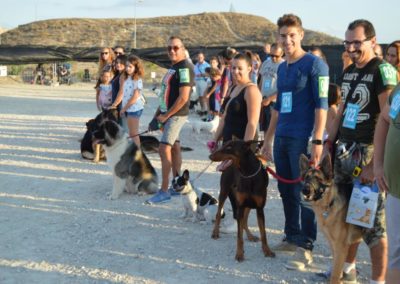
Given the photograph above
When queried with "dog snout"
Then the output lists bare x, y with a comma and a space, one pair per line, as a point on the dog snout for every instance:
306, 191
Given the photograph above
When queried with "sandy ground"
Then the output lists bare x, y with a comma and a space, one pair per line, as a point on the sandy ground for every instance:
57, 225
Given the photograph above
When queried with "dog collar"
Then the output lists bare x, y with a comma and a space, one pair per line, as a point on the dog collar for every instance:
250, 176
325, 214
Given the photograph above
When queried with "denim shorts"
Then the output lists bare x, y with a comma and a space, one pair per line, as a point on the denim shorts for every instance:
172, 129
134, 113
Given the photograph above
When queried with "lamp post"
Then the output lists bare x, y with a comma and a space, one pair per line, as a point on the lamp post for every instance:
134, 28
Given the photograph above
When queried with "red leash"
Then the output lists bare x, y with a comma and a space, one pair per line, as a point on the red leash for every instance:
281, 179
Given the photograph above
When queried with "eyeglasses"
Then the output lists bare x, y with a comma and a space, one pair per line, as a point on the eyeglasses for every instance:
356, 43
104, 53
175, 48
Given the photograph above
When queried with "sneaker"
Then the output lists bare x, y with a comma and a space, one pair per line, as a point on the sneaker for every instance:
160, 197
347, 278
229, 228
301, 259
285, 246
172, 191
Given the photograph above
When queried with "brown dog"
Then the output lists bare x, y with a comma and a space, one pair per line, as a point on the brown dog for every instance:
247, 181
330, 208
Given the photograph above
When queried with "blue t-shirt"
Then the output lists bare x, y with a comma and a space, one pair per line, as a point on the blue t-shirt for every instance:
302, 88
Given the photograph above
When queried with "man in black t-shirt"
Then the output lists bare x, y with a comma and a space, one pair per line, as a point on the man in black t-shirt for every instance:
172, 114
366, 85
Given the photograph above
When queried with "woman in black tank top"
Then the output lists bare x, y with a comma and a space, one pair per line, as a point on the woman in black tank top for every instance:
242, 111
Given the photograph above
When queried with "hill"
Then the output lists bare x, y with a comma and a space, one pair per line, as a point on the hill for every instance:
206, 29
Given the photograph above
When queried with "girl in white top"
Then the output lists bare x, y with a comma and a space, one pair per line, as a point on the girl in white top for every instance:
104, 91
130, 93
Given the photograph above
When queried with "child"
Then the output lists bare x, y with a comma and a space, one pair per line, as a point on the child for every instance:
131, 87
213, 93
104, 91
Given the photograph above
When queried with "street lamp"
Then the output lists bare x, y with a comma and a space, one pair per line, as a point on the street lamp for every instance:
134, 29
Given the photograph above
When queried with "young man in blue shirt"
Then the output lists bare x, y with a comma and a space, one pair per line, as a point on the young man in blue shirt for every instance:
301, 107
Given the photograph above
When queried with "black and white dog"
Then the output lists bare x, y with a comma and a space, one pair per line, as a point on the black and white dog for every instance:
198, 205
90, 150
132, 170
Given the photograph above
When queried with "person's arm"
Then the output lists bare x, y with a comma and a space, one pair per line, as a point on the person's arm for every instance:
367, 173
266, 101
184, 94
98, 99
319, 127
269, 135
211, 91
253, 104
132, 100
120, 95
380, 135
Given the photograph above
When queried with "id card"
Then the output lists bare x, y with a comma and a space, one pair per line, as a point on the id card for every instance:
395, 106
267, 85
286, 106
350, 118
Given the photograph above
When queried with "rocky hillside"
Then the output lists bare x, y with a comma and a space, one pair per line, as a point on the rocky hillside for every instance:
208, 29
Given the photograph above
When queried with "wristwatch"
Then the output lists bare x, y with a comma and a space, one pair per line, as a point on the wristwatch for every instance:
316, 142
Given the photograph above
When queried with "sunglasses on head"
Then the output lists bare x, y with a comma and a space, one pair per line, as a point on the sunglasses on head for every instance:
174, 48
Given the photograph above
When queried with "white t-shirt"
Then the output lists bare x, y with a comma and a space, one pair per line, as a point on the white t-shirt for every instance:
130, 86
268, 72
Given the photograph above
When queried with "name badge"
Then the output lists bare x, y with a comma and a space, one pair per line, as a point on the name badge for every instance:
395, 106
350, 118
267, 85
286, 106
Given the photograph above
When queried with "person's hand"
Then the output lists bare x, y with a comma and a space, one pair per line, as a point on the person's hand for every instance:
367, 174
380, 178
212, 145
162, 118
266, 151
316, 154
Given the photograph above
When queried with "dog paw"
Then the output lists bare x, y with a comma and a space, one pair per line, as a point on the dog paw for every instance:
112, 196
252, 238
239, 257
215, 235
269, 253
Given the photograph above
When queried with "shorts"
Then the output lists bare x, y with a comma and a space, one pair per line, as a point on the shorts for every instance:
134, 114
172, 129
201, 86
393, 231
344, 181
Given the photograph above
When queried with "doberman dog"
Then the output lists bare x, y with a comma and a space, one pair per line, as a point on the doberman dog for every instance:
247, 182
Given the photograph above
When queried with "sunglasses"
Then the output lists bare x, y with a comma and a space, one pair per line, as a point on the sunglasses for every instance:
104, 53
118, 53
174, 48
274, 56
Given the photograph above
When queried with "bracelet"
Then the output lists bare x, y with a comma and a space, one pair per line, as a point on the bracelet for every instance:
317, 142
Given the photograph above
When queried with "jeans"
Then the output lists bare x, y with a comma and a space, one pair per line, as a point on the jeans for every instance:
300, 223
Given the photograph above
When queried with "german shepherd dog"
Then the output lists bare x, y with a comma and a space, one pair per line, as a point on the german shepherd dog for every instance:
247, 181
330, 208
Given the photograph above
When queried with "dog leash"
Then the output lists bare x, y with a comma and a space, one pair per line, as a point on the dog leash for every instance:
281, 179
202, 172
144, 132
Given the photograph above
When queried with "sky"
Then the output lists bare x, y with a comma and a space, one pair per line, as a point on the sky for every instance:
331, 17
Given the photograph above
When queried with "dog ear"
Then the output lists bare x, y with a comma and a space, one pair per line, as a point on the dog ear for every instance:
326, 166
186, 175
303, 164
